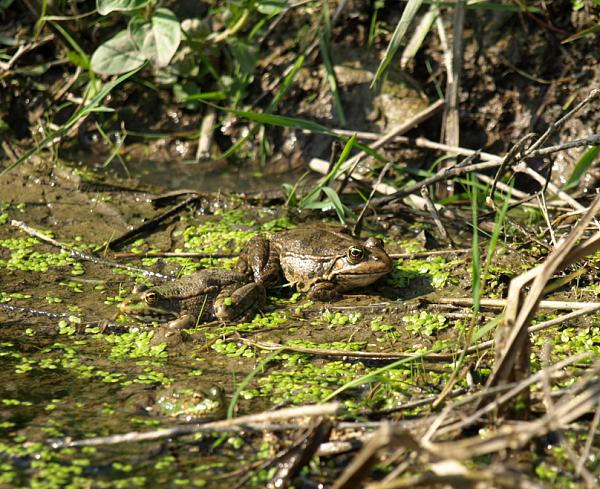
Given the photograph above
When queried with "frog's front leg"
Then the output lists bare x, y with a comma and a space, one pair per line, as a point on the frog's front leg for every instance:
259, 261
324, 292
239, 303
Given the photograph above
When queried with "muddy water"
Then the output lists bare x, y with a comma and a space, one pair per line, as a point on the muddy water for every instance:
87, 374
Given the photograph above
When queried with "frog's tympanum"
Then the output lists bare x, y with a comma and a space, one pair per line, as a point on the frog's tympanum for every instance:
202, 296
317, 260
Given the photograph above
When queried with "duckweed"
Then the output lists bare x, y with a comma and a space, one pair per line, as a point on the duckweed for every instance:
228, 233
436, 269
336, 345
304, 382
425, 323
65, 328
270, 320
377, 324
338, 318
232, 349
74, 286
571, 341
23, 257
4, 297
136, 344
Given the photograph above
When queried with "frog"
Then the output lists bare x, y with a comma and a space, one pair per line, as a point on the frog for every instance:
205, 295
321, 261
190, 403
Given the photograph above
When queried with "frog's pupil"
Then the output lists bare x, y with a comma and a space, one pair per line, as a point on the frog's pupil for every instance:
355, 253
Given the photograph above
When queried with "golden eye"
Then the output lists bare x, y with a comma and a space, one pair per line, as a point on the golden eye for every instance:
150, 297
355, 254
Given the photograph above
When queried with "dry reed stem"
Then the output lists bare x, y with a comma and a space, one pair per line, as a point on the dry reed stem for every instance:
242, 423
512, 333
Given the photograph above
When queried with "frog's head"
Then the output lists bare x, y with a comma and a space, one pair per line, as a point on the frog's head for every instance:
361, 264
149, 305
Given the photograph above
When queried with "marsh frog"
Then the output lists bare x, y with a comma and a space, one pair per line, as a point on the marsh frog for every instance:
190, 403
202, 296
321, 261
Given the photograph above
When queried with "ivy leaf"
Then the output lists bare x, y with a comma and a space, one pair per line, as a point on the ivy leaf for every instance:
105, 7
159, 38
117, 55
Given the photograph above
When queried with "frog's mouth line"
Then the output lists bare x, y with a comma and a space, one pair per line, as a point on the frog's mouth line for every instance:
340, 275
352, 280
149, 316
152, 317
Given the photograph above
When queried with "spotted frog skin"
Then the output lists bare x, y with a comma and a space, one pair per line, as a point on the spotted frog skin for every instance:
321, 261
202, 296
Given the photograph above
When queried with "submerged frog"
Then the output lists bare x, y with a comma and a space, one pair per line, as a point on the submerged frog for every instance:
202, 296
190, 403
318, 260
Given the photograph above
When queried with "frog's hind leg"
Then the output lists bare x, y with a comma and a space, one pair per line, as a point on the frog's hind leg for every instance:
241, 303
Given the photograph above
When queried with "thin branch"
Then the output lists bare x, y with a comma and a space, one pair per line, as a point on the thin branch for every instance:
83, 256
242, 423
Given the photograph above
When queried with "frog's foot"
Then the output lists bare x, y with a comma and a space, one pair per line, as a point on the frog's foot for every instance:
324, 292
172, 337
182, 322
241, 303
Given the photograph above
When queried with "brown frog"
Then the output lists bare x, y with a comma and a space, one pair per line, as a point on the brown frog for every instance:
202, 296
318, 260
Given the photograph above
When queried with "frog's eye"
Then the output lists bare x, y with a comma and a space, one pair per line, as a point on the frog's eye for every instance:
355, 254
150, 297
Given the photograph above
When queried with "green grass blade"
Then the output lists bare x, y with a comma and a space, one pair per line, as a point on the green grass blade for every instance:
375, 374
330, 74
310, 199
334, 172
416, 40
285, 86
216, 95
498, 223
76, 47
282, 121
581, 167
334, 199
92, 106
485, 329
408, 14
476, 263
258, 369
494, 6
578, 35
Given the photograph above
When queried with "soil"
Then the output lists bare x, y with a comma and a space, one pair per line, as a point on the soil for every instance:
73, 371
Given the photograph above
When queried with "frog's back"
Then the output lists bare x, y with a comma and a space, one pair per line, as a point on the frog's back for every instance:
321, 242
192, 293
